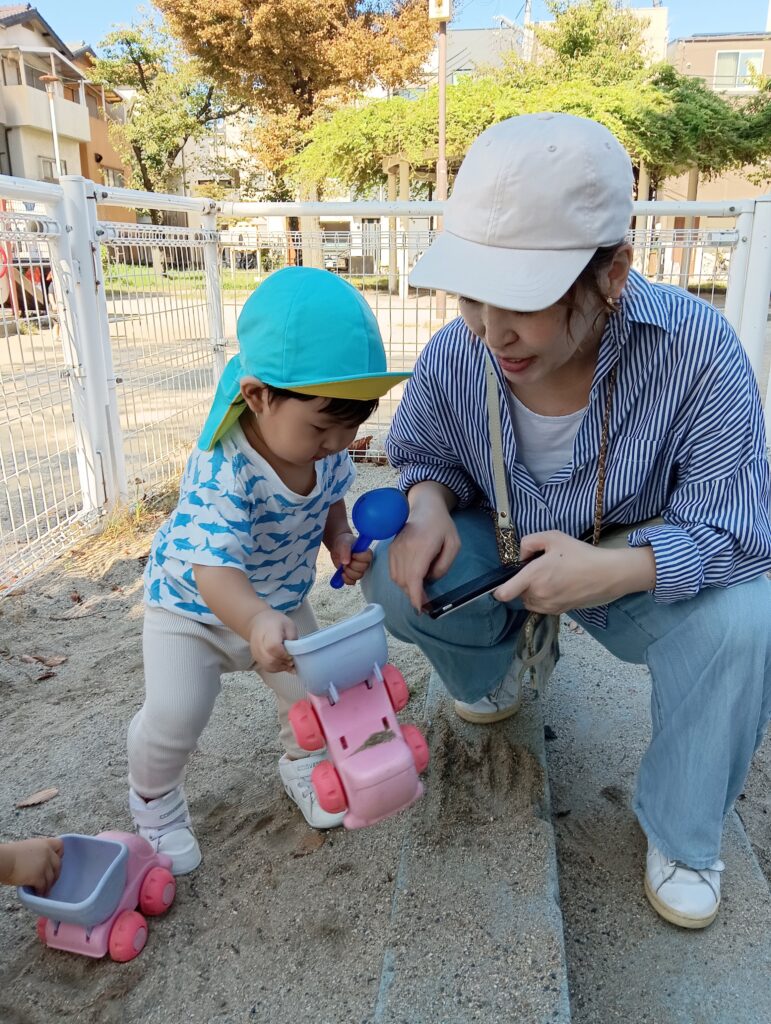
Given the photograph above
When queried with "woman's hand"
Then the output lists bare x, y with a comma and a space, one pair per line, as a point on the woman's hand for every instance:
425, 548
267, 633
573, 574
354, 565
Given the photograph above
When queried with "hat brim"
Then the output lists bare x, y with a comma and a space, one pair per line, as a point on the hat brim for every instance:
228, 402
525, 280
361, 388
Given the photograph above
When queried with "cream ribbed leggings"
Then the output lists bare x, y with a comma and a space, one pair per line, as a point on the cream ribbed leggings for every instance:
184, 660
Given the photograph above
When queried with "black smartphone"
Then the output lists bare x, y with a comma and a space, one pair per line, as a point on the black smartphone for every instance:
458, 596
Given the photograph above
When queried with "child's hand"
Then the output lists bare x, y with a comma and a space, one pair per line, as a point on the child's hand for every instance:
269, 630
355, 565
35, 862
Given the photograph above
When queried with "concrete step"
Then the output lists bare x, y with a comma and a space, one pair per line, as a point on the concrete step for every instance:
478, 871
625, 963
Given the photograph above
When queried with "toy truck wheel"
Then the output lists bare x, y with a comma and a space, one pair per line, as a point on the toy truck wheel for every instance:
329, 789
395, 687
42, 923
128, 936
415, 740
305, 725
157, 893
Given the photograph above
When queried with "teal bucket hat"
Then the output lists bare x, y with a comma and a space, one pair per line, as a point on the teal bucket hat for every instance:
304, 330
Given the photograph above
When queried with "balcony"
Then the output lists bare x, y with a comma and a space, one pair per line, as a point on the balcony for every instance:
27, 107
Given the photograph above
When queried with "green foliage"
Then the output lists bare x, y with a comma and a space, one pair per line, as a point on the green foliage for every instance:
172, 102
595, 69
595, 38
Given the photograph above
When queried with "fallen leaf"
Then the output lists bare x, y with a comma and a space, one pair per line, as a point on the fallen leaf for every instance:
53, 660
44, 675
49, 660
41, 797
75, 597
384, 736
309, 843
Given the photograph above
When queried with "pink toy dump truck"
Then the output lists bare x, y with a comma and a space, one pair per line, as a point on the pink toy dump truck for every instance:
91, 908
353, 696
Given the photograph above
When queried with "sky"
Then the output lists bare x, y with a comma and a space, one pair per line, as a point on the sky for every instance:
90, 20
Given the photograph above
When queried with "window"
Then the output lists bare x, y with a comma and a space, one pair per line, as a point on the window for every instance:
33, 74
733, 68
113, 177
48, 168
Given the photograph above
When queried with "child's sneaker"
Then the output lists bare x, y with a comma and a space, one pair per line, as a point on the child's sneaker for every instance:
166, 824
296, 776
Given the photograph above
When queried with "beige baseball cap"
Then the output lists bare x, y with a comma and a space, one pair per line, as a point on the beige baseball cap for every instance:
534, 198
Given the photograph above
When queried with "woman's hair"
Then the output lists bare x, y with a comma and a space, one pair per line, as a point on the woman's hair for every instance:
349, 411
587, 282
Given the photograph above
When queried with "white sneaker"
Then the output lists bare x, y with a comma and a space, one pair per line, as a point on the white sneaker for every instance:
502, 703
166, 824
688, 897
296, 776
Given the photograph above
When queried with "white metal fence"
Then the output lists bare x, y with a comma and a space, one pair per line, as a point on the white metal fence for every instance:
112, 334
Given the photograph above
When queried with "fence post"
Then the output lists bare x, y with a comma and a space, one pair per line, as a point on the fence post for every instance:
211, 266
737, 272
754, 322
92, 377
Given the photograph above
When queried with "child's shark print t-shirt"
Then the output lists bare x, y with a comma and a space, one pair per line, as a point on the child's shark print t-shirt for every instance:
234, 510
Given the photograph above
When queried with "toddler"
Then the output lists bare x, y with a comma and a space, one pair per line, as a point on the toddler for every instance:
229, 573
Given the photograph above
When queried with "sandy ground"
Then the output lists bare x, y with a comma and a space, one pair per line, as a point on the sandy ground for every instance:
279, 923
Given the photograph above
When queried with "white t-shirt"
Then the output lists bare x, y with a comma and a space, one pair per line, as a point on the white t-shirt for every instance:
234, 510
544, 443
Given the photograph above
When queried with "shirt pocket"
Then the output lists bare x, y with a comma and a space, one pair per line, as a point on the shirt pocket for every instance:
633, 477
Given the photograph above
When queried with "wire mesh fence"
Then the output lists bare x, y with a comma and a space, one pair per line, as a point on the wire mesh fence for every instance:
41, 498
378, 261
155, 291
112, 335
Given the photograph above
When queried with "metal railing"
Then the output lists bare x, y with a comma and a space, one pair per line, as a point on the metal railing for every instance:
112, 335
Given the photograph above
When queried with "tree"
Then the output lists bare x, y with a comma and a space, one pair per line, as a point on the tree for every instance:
282, 55
171, 101
595, 38
669, 121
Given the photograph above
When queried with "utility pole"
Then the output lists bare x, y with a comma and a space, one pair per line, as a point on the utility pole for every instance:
441, 11
527, 32
50, 83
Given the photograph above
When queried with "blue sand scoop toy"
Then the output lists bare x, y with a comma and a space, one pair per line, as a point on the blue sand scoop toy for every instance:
376, 515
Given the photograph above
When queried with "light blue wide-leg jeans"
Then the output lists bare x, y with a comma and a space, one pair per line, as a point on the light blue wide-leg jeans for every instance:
710, 664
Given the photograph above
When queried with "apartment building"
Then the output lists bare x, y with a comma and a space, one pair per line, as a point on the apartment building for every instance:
34, 61
53, 120
729, 64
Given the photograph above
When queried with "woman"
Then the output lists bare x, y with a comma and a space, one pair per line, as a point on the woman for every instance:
570, 397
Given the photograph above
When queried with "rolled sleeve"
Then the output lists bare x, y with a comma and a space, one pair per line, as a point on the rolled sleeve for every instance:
454, 479
679, 571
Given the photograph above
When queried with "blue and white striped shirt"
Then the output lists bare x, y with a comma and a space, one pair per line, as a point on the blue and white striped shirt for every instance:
686, 441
